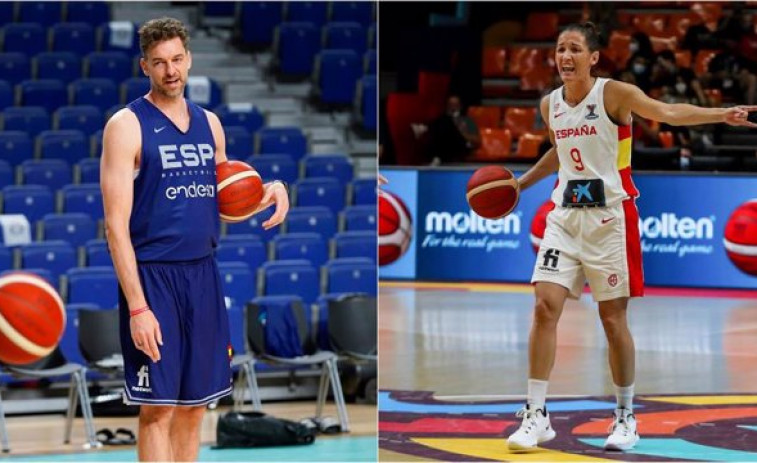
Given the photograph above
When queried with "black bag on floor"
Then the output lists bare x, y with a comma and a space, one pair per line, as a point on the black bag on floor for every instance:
255, 429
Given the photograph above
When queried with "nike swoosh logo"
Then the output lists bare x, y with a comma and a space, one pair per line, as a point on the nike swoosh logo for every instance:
606, 220
559, 114
158, 130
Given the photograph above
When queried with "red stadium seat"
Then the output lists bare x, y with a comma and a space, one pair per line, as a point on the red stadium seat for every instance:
537, 79
663, 42
528, 145
402, 110
702, 60
520, 120
523, 59
650, 24
709, 12
541, 26
486, 116
678, 23
715, 96
495, 145
683, 59
666, 139
433, 88
617, 49
493, 62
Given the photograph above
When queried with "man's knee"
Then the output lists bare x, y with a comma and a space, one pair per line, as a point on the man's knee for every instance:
155, 414
193, 414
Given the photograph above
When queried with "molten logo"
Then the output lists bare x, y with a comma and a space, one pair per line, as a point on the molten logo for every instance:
461, 223
583, 131
668, 225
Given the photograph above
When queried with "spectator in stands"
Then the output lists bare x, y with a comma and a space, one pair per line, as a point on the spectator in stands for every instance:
699, 37
732, 75
641, 60
161, 219
747, 46
453, 135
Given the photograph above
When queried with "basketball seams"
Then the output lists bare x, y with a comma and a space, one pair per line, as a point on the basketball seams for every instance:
743, 249
36, 281
237, 177
511, 182
234, 219
21, 341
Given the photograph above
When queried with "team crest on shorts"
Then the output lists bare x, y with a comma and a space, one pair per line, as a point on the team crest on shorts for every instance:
592, 114
612, 280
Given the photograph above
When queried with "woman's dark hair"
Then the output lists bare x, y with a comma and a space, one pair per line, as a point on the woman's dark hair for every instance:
590, 33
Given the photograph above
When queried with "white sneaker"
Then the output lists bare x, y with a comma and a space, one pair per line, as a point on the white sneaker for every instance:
623, 435
535, 429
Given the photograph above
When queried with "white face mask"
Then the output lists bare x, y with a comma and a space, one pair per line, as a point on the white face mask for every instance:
727, 83
639, 68
681, 87
633, 47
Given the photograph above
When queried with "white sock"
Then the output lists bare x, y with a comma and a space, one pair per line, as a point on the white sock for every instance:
537, 393
624, 396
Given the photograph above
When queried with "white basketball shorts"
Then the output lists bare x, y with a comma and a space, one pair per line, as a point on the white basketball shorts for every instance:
601, 245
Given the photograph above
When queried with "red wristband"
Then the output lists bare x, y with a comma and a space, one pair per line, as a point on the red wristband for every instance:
135, 312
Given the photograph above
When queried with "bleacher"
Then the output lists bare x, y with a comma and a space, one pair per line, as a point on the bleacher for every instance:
305, 116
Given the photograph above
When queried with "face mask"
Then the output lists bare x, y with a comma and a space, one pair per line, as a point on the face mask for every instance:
681, 87
455, 114
639, 68
633, 47
727, 83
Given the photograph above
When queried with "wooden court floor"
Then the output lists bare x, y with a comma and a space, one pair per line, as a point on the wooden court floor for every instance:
468, 343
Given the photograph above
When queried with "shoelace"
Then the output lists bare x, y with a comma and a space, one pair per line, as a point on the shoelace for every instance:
529, 418
619, 423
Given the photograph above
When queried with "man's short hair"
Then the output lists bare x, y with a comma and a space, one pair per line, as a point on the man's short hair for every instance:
159, 30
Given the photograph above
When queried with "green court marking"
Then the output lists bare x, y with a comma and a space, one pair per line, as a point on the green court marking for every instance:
360, 448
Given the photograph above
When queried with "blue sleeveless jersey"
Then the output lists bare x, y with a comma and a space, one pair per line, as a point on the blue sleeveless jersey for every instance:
175, 212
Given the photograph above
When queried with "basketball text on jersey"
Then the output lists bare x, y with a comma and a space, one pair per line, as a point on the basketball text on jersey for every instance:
191, 155
582, 131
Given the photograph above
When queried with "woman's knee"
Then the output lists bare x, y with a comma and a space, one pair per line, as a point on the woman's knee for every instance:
546, 314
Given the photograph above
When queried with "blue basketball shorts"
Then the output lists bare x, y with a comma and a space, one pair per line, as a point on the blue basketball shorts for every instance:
195, 358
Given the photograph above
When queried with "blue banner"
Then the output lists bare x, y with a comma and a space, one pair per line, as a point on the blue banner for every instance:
683, 220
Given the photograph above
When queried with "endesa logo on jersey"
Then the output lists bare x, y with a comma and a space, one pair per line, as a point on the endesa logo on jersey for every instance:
187, 160
583, 131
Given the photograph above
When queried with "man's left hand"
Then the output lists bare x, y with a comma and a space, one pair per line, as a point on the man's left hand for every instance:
275, 193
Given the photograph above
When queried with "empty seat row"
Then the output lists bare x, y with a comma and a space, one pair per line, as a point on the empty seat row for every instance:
80, 37
66, 66
49, 13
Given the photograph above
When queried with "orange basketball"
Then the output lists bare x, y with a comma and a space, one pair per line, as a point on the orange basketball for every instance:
240, 190
492, 192
32, 318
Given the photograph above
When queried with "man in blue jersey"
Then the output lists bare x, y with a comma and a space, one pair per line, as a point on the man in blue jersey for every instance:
162, 222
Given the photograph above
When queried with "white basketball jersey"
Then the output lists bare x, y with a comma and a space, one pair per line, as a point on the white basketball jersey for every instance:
590, 145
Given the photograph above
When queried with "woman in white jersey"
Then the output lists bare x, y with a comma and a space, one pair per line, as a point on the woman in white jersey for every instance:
592, 234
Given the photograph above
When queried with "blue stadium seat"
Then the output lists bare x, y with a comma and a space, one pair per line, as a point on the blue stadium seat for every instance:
6, 258
74, 228
275, 167
102, 93
237, 328
238, 142
244, 114
216, 9
69, 343
309, 246
312, 12
15, 147
6, 94
28, 119
354, 274
320, 191
15, 67
53, 173
70, 145
203, 91
76, 37
338, 70
34, 201
361, 12
7, 175
61, 65
91, 12
56, 256
113, 65
28, 38
242, 248
368, 91
253, 226
372, 36
360, 243
44, 273
364, 191
336, 166
93, 285
238, 282
369, 62
50, 94
97, 253
134, 88
7, 12
345, 36
87, 170
312, 219
289, 140
360, 218
96, 143
291, 277
119, 36
85, 198
87, 119
297, 45
258, 20
43, 13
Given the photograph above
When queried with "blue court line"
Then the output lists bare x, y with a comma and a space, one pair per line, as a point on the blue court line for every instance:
358, 448
751, 428
389, 404
679, 449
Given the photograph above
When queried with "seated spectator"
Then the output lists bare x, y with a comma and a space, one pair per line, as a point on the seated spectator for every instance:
453, 135
731, 74
700, 37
